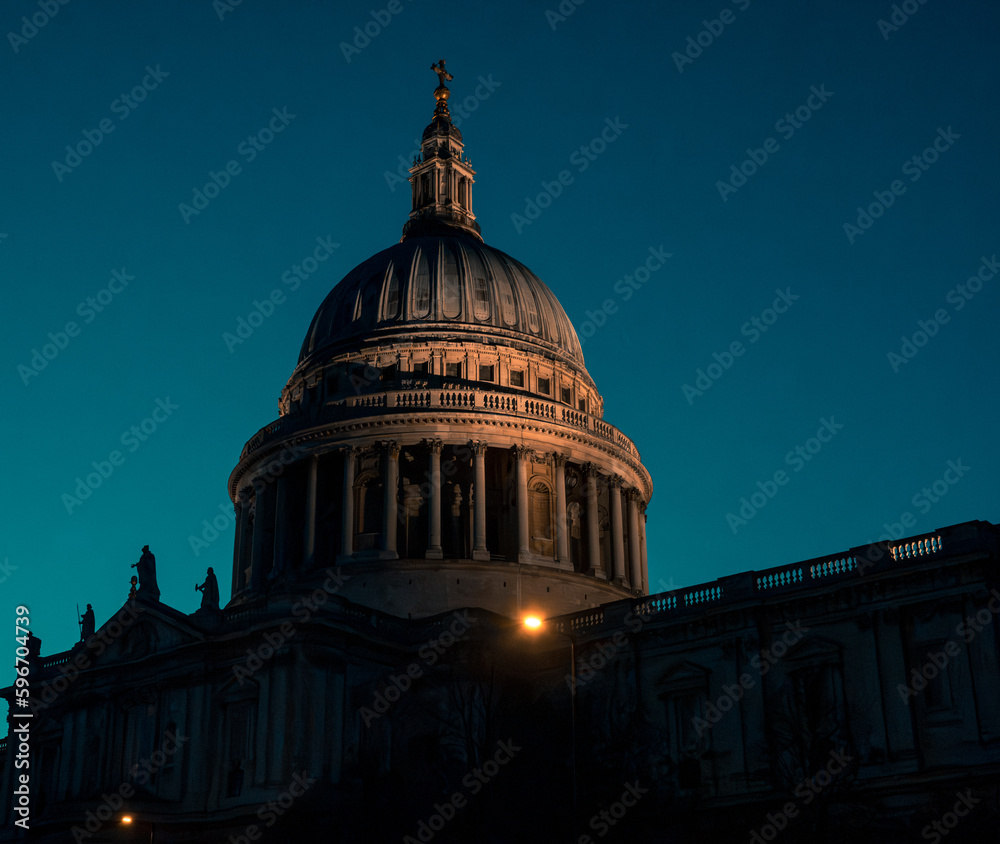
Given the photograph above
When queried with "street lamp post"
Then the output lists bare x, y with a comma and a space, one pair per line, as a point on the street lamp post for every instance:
535, 623
128, 820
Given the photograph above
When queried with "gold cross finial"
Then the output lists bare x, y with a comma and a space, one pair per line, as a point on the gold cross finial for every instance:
443, 75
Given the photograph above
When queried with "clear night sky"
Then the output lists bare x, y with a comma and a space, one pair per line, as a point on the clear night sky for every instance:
868, 102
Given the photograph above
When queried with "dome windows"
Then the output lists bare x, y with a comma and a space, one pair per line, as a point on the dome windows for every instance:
391, 309
421, 287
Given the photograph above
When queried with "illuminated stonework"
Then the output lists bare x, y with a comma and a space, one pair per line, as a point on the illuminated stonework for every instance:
441, 436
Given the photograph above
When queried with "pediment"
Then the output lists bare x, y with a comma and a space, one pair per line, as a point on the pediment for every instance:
138, 630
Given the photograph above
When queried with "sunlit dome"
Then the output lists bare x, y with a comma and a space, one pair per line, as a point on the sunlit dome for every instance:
436, 285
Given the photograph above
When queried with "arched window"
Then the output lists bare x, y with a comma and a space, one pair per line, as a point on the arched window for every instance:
480, 290
422, 287
391, 310
540, 517
367, 511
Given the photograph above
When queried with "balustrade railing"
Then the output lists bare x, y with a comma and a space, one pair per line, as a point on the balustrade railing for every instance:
754, 585
463, 399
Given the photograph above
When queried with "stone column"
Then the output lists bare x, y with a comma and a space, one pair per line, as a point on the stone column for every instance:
390, 516
593, 522
522, 457
479, 550
617, 536
562, 528
634, 543
258, 555
280, 526
642, 547
312, 483
434, 551
347, 514
242, 516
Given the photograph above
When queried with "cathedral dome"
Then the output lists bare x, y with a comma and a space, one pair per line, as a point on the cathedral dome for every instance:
440, 436
436, 285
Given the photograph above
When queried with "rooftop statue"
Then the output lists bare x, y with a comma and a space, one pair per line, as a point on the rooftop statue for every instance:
209, 591
146, 569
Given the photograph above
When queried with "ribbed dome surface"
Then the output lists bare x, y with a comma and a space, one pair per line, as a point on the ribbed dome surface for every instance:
448, 284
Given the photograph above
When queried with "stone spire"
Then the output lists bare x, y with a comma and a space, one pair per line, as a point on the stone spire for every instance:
441, 177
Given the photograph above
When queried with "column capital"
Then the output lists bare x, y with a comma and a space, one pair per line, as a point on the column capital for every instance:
349, 450
522, 451
632, 494
615, 481
477, 446
591, 470
391, 448
558, 459
435, 446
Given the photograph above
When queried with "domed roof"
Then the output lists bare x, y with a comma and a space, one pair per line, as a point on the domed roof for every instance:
441, 284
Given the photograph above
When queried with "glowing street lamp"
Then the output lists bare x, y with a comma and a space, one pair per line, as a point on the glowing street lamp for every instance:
534, 624
128, 820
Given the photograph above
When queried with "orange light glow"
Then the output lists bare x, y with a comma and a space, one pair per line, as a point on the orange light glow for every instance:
532, 621
126, 819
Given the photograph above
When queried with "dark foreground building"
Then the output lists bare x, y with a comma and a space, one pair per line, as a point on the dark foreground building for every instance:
439, 472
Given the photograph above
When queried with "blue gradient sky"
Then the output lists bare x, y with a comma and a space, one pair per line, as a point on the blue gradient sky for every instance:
553, 85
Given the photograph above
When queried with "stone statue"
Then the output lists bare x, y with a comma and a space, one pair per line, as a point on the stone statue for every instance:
209, 591
131, 591
443, 75
148, 590
87, 624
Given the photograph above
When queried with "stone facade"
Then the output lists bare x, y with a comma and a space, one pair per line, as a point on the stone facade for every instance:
856, 693
441, 468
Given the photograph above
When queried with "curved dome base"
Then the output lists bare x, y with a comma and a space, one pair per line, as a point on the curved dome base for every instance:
421, 588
